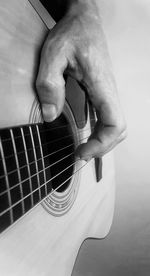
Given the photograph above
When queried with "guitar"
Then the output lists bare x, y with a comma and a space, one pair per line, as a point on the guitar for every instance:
50, 202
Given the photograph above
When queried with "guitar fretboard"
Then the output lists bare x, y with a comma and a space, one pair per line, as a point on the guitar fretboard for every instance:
29, 157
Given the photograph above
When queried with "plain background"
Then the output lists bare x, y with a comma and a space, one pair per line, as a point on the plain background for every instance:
126, 251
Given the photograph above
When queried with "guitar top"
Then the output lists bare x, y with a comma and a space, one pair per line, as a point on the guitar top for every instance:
50, 202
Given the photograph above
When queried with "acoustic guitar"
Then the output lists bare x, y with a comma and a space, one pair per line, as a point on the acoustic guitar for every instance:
50, 202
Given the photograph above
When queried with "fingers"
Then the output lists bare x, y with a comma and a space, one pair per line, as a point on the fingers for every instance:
89, 64
50, 82
110, 128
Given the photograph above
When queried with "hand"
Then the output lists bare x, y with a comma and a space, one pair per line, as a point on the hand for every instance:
77, 46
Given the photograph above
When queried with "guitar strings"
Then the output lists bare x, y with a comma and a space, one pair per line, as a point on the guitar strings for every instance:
55, 190
36, 174
33, 162
45, 144
44, 184
43, 130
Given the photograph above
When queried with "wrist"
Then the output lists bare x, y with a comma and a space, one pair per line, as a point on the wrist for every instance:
59, 8
80, 7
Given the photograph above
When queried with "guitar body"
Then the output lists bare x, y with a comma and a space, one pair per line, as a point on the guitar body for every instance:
42, 243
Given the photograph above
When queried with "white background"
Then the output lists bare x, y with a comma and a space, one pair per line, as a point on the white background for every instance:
126, 251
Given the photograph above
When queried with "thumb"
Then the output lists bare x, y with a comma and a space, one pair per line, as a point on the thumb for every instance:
51, 86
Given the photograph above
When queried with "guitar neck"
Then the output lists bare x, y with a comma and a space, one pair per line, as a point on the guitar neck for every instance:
31, 165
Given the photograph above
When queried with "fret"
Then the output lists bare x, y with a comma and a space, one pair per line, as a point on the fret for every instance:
41, 151
43, 138
23, 170
7, 182
28, 167
35, 158
2, 177
32, 164
16, 190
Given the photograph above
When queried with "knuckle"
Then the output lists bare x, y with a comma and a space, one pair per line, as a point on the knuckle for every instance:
51, 92
49, 85
121, 128
122, 131
121, 125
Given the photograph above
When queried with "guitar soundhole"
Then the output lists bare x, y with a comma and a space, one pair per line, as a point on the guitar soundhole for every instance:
60, 150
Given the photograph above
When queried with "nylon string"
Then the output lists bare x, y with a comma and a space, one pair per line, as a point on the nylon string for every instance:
46, 156
44, 184
44, 130
48, 167
45, 144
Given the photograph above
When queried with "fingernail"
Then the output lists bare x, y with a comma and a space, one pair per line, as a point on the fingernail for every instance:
49, 112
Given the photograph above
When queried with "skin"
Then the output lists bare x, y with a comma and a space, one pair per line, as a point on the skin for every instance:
77, 46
